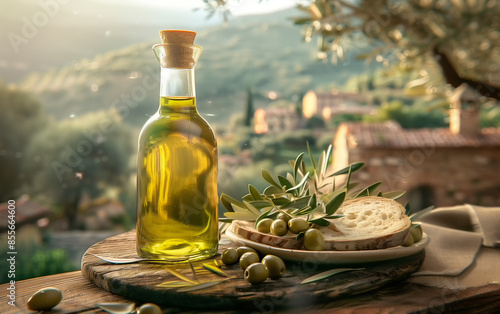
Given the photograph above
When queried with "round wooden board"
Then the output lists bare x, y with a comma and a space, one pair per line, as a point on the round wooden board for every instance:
139, 281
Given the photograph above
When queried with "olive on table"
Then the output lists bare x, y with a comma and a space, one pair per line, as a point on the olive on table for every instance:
256, 273
279, 228
149, 308
45, 299
229, 256
248, 259
244, 249
275, 266
297, 225
314, 240
264, 225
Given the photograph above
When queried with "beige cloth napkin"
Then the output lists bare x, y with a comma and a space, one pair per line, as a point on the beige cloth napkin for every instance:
461, 252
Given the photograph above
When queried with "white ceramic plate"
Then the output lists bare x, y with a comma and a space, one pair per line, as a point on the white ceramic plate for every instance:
333, 257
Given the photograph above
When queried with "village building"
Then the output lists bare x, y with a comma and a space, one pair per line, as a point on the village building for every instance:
329, 104
30, 219
276, 120
441, 167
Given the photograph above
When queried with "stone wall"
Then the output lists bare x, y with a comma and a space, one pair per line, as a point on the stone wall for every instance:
442, 176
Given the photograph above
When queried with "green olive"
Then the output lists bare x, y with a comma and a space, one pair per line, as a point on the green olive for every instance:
229, 256
264, 225
279, 228
244, 249
248, 259
275, 266
416, 232
45, 299
149, 308
297, 225
409, 241
314, 240
256, 273
284, 217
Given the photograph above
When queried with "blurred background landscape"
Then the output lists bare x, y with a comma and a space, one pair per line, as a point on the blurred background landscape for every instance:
79, 79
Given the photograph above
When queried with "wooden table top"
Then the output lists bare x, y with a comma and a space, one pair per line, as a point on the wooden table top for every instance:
81, 296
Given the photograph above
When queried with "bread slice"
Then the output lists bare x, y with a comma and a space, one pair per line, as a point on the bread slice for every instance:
369, 223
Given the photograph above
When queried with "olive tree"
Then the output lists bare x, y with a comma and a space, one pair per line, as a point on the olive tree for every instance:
82, 155
449, 42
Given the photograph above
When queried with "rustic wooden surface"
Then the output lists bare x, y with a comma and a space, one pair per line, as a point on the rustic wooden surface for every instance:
81, 296
139, 281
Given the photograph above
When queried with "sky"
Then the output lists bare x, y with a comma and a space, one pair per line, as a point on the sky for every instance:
242, 7
85, 28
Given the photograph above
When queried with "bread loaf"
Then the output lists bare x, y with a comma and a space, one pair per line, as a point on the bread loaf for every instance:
369, 223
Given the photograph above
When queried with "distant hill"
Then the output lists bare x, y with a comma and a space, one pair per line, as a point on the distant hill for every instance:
264, 52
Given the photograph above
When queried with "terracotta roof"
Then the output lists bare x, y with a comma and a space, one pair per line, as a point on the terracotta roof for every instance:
26, 211
392, 135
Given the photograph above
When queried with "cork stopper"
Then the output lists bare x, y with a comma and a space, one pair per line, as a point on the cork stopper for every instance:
177, 49
177, 37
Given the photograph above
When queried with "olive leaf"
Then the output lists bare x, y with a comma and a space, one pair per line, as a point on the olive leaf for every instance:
320, 222
174, 284
180, 276
370, 190
296, 165
273, 190
311, 156
254, 192
394, 194
300, 185
421, 213
407, 209
202, 285
335, 203
285, 183
116, 307
241, 216
326, 274
251, 208
215, 270
281, 201
269, 178
226, 199
351, 168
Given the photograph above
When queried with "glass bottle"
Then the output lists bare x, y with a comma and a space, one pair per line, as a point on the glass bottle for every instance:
177, 198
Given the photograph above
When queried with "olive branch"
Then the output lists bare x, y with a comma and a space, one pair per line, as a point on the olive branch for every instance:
311, 195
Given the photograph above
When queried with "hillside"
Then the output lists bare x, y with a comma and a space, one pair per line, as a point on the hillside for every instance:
264, 52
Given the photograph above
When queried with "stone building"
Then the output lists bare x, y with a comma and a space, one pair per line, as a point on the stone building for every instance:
441, 167
276, 120
328, 104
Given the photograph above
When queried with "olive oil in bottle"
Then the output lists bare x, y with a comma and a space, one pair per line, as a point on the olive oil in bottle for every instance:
177, 164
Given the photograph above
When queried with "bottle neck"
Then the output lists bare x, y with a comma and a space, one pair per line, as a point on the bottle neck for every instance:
177, 83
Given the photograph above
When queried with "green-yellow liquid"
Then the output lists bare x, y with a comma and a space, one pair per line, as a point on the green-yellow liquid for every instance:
177, 184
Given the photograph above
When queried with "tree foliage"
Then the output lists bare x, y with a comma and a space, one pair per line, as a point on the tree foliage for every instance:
461, 36
88, 155
408, 117
21, 117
